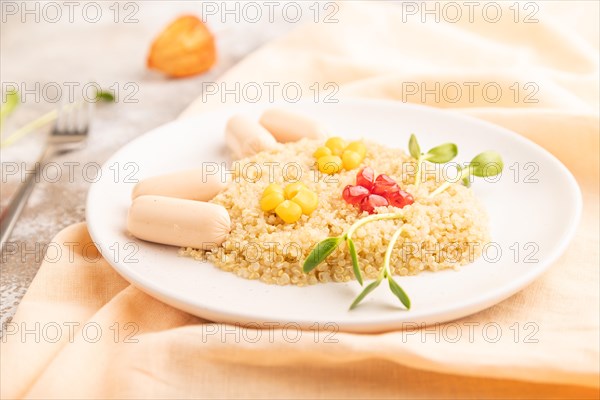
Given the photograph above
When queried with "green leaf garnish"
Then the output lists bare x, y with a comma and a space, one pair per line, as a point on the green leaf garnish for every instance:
320, 252
399, 292
413, 147
8, 106
364, 293
488, 163
442, 154
105, 96
354, 257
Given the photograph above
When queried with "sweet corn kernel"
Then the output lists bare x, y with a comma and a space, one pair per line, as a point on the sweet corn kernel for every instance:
307, 200
322, 151
351, 159
293, 188
329, 164
273, 188
336, 145
289, 211
271, 200
358, 147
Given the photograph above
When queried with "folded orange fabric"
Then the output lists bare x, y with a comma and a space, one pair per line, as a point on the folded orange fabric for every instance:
117, 342
114, 341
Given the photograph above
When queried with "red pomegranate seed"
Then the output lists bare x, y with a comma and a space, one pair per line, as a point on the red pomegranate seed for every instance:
365, 177
369, 203
400, 199
384, 185
384, 179
354, 194
385, 189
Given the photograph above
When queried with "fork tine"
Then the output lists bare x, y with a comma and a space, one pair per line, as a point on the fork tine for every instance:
74, 119
82, 116
60, 119
73, 126
88, 109
91, 112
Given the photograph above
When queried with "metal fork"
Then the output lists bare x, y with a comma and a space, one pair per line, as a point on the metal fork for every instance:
69, 133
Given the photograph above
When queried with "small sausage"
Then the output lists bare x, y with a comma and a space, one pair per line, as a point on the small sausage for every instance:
245, 137
287, 126
193, 184
178, 222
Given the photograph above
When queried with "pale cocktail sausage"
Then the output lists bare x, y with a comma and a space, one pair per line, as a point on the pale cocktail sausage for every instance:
193, 184
287, 126
178, 222
245, 137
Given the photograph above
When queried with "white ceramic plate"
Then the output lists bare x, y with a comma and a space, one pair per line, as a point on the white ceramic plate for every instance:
540, 217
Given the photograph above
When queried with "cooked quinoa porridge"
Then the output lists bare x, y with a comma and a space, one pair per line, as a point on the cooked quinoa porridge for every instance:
440, 232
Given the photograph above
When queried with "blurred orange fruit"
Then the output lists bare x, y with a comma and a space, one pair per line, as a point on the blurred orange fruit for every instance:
184, 48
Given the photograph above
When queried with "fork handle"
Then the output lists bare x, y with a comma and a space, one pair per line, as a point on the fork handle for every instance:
12, 212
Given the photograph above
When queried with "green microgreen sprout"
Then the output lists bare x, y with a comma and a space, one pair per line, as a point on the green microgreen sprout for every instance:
9, 103
486, 164
385, 273
439, 155
324, 248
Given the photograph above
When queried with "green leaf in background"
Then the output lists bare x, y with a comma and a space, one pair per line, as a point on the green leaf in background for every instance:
372, 286
488, 163
399, 292
8, 106
413, 147
105, 96
321, 251
442, 153
354, 257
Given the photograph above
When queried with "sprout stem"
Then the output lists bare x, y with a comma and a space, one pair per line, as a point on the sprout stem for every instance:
28, 128
418, 173
370, 218
440, 189
388, 253
463, 173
